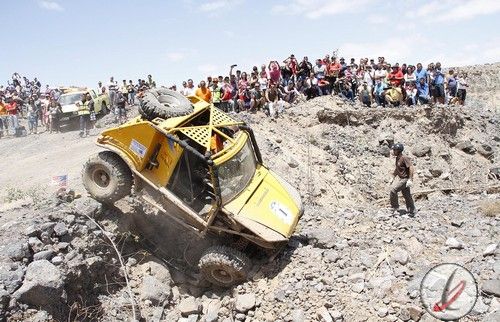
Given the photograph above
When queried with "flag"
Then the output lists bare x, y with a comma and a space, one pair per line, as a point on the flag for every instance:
60, 181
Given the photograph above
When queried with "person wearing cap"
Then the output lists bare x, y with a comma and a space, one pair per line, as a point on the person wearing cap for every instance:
402, 180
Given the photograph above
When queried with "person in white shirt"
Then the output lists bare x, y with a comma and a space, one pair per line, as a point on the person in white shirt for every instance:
380, 73
183, 89
112, 88
462, 87
189, 90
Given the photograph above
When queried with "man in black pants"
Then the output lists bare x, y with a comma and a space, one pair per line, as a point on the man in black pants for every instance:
402, 180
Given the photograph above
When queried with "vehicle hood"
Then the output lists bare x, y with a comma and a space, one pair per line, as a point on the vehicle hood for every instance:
69, 108
274, 204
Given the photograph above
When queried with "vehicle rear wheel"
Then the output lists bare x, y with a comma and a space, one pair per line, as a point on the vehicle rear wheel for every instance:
107, 178
164, 103
224, 266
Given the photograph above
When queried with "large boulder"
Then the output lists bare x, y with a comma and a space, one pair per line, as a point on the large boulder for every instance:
18, 250
386, 138
492, 287
245, 302
421, 150
153, 290
43, 285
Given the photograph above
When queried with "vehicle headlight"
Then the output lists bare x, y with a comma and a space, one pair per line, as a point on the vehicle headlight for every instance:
294, 193
75, 113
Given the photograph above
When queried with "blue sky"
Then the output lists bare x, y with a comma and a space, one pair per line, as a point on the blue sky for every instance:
77, 42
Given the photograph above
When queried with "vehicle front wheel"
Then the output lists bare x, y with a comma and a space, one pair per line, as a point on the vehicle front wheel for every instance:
107, 178
224, 266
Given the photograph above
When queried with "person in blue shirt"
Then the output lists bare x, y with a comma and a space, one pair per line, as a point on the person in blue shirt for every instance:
421, 73
438, 77
378, 92
423, 91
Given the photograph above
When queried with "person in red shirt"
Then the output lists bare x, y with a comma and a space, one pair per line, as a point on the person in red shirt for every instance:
227, 96
332, 72
396, 76
11, 108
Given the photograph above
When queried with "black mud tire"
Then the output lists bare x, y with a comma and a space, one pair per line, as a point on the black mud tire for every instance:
164, 103
107, 178
224, 266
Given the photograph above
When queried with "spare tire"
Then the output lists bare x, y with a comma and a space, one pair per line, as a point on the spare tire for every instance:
164, 103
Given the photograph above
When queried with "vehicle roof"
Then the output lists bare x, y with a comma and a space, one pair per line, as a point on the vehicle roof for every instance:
73, 90
201, 134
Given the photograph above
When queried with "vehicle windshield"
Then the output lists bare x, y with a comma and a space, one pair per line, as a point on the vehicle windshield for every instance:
68, 99
235, 174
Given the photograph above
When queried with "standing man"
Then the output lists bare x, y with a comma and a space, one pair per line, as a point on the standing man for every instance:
99, 88
121, 100
112, 88
151, 82
131, 92
402, 180
84, 114
189, 90
438, 94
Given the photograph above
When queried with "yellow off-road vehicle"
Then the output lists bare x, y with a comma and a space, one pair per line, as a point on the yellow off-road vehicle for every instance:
206, 172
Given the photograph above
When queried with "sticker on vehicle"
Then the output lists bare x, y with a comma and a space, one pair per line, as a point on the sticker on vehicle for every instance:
281, 211
138, 148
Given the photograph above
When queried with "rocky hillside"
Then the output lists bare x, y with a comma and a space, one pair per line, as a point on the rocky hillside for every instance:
351, 258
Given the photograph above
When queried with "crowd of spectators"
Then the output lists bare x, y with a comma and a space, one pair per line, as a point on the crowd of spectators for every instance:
25, 99
373, 83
